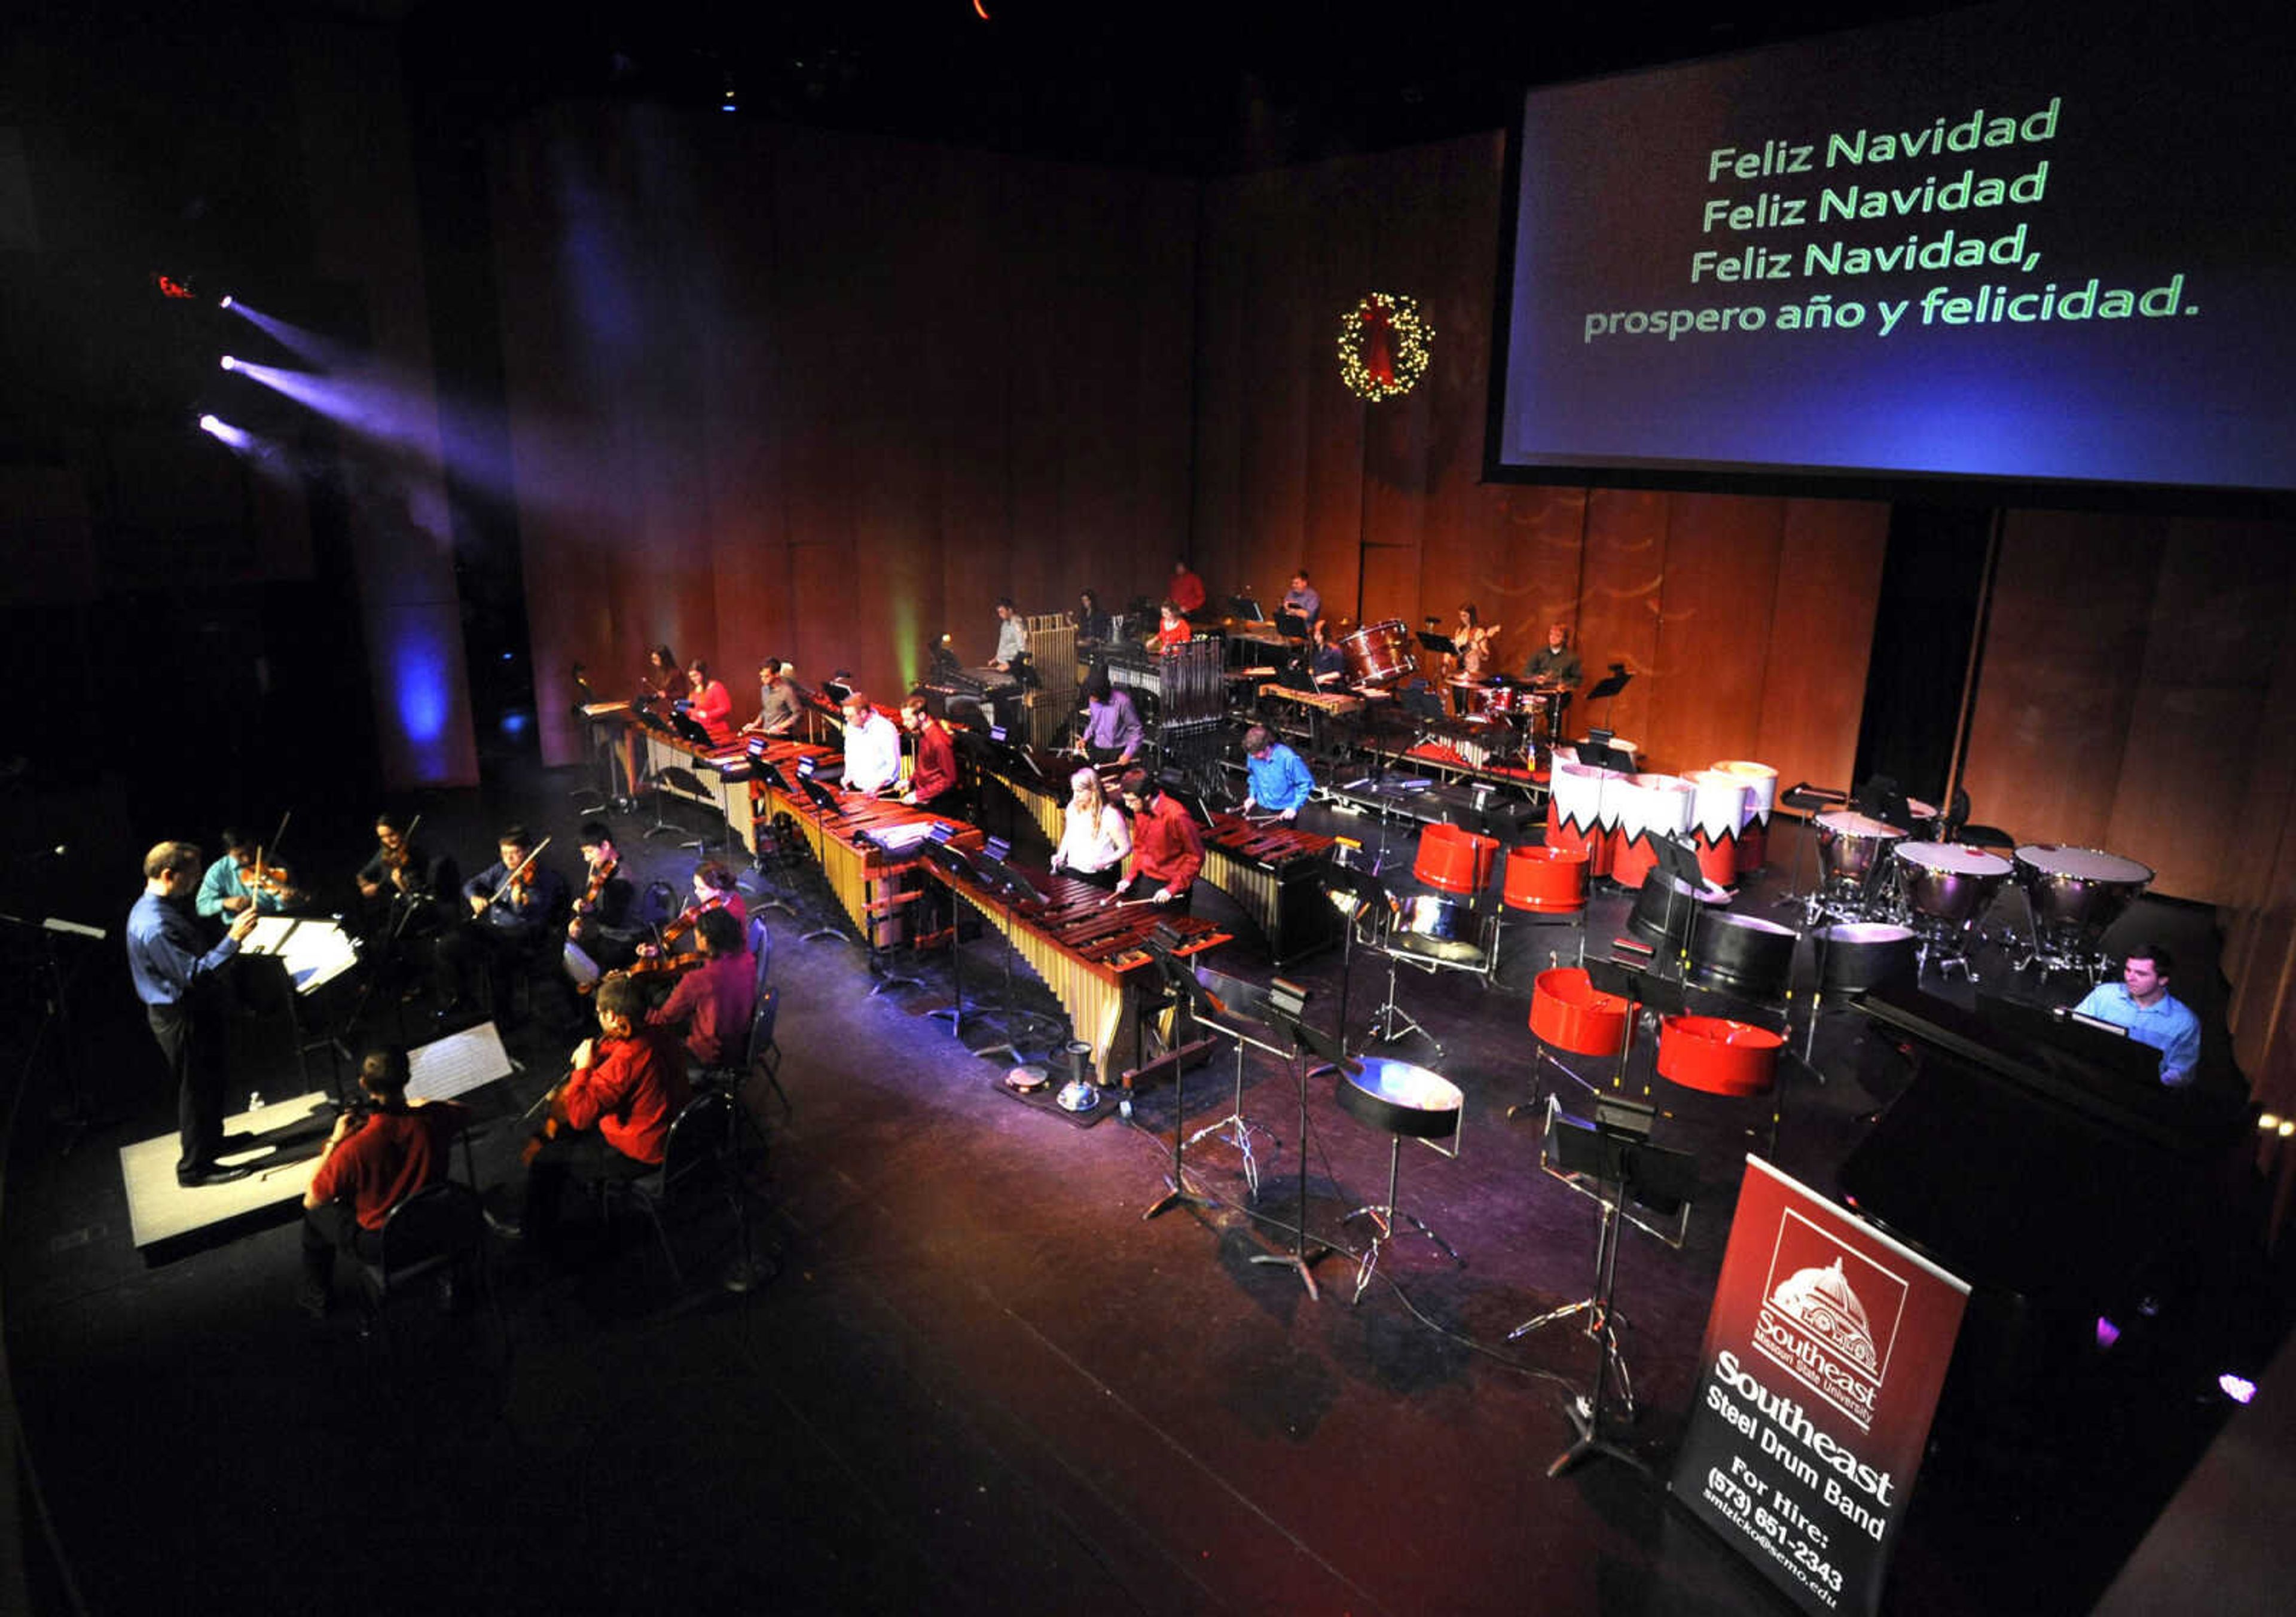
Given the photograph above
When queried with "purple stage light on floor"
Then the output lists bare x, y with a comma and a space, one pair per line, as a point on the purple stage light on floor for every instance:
2107, 1333
2240, 1389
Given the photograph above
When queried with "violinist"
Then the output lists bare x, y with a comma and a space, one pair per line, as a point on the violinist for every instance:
713, 1004
609, 1117
243, 880
514, 904
602, 924
714, 888
382, 1150
708, 702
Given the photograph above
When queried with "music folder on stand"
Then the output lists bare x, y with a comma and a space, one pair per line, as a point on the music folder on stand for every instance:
1608, 687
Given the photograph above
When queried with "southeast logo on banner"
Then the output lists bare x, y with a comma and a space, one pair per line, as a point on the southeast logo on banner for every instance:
1829, 1317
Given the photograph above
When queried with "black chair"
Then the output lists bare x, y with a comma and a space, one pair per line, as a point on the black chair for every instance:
698, 1160
438, 1231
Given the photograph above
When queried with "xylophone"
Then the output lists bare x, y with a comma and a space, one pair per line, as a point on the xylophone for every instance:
1335, 704
743, 796
1087, 950
1275, 872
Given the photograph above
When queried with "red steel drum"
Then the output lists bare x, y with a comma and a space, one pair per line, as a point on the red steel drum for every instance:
1568, 1012
1649, 806
1547, 881
1761, 796
1719, 1056
1455, 859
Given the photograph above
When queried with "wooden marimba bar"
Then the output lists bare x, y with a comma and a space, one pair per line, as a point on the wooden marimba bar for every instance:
1275, 872
1089, 950
860, 873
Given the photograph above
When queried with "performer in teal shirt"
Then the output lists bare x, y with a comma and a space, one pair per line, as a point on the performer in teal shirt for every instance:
1279, 781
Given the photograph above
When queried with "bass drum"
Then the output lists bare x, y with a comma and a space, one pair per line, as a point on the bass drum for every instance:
1379, 654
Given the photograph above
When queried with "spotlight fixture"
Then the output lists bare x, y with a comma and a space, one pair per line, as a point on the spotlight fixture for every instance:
228, 363
225, 301
2268, 1123
727, 103
2240, 1389
208, 423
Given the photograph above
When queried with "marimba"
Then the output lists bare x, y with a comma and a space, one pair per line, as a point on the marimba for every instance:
865, 849
1275, 872
1088, 949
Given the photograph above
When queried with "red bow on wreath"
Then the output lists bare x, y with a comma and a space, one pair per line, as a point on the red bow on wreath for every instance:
1379, 335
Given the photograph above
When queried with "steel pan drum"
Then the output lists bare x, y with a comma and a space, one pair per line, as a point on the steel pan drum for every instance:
1403, 1100
1852, 846
1947, 882
1455, 858
1717, 1055
2077, 892
1743, 955
1545, 881
1650, 806
1574, 810
1663, 909
1858, 955
1379, 654
1761, 795
1568, 1012
1436, 926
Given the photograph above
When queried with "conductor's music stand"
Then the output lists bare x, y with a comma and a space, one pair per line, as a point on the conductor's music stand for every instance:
1611, 1161
1360, 896
1286, 1001
1609, 686
1189, 998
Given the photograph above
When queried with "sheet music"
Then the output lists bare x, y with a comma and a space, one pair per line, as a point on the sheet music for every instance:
901, 838
314, 951
457, 1064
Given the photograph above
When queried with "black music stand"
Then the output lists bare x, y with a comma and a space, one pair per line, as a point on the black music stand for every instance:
1609, 686
1679, 860
1290, 624
953, 860
1011, 890
1188, 997
1366, 894
1614, 1152
1286, 1001
1441, 645
1595, 752
1643, 991
1248, 608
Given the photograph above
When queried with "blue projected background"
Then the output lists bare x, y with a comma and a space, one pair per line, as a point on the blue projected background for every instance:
2014, 243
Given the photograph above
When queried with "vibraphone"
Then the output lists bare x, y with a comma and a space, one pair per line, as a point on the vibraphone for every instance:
1275, 872
863, 874
1089, 950
1323, 708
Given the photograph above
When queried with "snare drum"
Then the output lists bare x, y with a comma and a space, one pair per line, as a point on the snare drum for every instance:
1379, 654
1851, 848
1650, 806
1947, 883
2077, 892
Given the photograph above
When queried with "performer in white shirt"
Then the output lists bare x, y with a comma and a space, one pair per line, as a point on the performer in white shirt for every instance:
1095, 836
873, 747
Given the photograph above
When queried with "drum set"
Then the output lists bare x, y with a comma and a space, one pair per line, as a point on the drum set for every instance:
1871, 872
1495, 719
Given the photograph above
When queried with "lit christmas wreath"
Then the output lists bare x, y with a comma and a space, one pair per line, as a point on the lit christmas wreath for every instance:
1383, 347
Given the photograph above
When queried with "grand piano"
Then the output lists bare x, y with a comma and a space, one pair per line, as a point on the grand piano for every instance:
2043, 1162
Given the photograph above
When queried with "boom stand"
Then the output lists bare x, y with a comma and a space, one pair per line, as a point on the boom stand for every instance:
1614, 1153
1286, 1001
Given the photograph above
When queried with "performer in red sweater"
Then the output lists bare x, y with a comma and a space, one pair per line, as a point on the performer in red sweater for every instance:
933, 785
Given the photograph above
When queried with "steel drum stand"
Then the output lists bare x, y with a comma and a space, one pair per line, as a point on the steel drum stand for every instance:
1384, 1029
1385, 1215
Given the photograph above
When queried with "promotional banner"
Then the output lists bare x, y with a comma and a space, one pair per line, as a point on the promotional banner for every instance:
1824, 1354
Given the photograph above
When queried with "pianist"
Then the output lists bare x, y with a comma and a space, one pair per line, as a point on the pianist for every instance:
872, 746
1012, 637
1280, 782
1166, 848
2141, 1003
1111, 724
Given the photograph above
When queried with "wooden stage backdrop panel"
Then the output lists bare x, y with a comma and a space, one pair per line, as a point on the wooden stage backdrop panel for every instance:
781, 392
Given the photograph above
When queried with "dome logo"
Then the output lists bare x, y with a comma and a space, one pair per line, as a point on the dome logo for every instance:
1829, 1317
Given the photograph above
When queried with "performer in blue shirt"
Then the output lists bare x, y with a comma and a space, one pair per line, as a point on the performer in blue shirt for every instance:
1302, 597
1279, 781
175, 979
2141, 1002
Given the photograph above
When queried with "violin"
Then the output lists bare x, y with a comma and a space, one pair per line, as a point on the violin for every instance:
601, 874
554, 1119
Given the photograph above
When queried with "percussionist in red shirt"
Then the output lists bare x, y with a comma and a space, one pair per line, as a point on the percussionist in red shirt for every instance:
933, 785
1167, 849
379, 1155
1187, 590
713, 1004
709, 703
609, 1117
